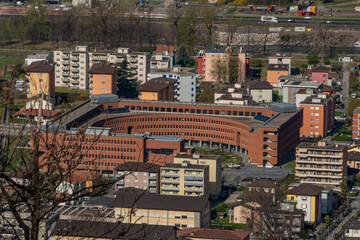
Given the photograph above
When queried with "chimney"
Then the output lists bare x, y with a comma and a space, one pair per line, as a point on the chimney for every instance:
321, 143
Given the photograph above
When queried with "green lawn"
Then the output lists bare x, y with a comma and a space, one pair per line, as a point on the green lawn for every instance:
227, 157
225, 221
338, 114
7, 61
80, 93
291, 165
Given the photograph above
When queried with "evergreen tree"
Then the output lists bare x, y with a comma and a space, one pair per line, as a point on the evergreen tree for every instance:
127, 86
183, 58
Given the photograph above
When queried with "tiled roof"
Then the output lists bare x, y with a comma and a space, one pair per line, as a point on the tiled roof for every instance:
261, 85
41, 66
307, 189
111, 230
353, 225
102, 68
128, 197
162, 48
156, 84
263, 183
138, 167
321, 69
206, 233
35, 112
353, 156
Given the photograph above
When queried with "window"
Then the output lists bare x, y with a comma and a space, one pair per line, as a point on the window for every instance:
183, 217
303, 206
292, 197
103, 76
316, 108
136, 180
183, 226
103, 82
177, 225
144, 181
40, 74
144, 174
127, 180
103, 88
177, 216
304, 198
153, 94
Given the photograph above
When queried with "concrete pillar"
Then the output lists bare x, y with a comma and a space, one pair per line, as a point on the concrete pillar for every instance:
189, 142
220, 145
200, 143
210, 144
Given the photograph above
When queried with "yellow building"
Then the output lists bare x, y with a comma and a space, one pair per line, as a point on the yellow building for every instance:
103, 78
307, 198
137, 206
157, 89
41, 85
214, 163
184, 179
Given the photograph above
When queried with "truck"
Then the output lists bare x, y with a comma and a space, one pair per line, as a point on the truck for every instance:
269, 19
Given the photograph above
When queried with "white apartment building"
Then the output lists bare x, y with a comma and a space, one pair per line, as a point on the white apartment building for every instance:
72, 68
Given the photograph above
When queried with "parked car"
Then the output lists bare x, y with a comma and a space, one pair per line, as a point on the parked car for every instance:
234, 165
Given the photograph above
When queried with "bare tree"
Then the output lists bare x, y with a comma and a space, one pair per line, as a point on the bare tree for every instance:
219, 69
209, 15
189, 28
174, 14
54, 157
232, 25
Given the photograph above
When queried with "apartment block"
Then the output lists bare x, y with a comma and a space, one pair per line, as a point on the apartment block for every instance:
356, 124
136, 206
206, 59
321, 163
275, 71
184, 88
319, 115
281, 58
41, 85
297, 90
214, 163
138, 175
103, 79
163, 57
184, 179
72, 68
158, 89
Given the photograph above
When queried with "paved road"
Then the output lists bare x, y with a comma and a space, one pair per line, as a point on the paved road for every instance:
356, 205
345, 84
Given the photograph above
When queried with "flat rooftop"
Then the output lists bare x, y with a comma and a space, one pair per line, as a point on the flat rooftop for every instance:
279, 119
198, 156
188, 166
332, 147
302, 84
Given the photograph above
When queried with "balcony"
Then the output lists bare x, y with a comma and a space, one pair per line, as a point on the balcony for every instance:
66, 74
152, 177
75, 76
75, 65
318, 175
65, 80
74, 59
99, 58
119, 60
75, 82
169, 189
318, 162
318, 155
175, 181
152, 184
319, 169
67, 62
75, 70
196, 190
65, 56
65, 68
133, 60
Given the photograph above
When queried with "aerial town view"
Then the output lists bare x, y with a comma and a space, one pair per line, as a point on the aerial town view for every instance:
177, 119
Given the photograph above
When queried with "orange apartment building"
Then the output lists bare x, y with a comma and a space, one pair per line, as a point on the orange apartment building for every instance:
274, 71
103, 78
157, 89
209, 56
321, 163
41, 85
356, 124
319, 115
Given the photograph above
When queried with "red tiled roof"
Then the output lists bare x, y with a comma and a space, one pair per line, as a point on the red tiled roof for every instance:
156, 84
35, 112
162, 48
213, 233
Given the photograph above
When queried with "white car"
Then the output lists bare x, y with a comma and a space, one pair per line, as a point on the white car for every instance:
307, 17
290, 20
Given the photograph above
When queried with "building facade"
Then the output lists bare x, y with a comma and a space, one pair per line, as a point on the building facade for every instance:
41, 85
214, 163
321, 74
184, 88
321, 163
158, 89
72, 68
138, 175
274, 71
163, 57
103, 79
356, 124
281, 58
153, 209
184, 179
319, 115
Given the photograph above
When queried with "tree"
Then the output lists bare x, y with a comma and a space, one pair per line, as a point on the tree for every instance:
344, 189
126, 84
352, 105
38, 28
183, 58
189, 28
219, 69
313, 58
54, 156
232, 25
206, 96
174, 14
9, 27
209, 15
285, 39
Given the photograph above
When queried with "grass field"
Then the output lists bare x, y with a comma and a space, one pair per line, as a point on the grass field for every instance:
227, 157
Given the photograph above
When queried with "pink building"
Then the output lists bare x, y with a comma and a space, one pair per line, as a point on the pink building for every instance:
356, 124
321, 74
138, 175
